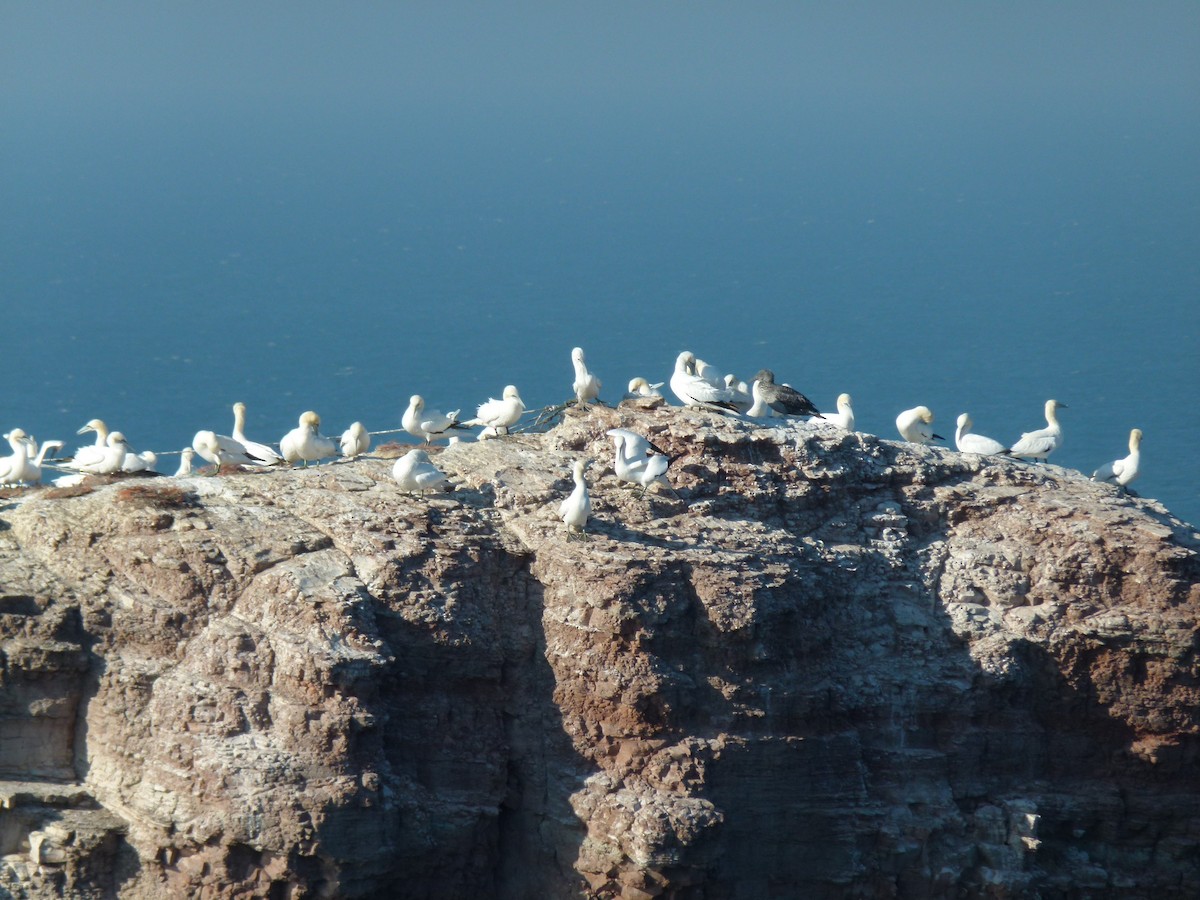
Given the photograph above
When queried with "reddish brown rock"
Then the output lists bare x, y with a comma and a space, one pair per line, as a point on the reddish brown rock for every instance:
830, 666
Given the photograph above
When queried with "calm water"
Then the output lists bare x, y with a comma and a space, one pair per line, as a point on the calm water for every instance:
161, 258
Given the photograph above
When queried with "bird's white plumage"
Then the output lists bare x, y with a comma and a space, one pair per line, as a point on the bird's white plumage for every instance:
1123, 471
968, 442
499, 414
1041, 443
637, 461
267, 455
760, 408
427, 424
575, 509
92, 453
843, 418
414, 472
110, 462
355, 440
220, 449
640, 387
186, 458
694, 390
586, 384
305, 443
916, 425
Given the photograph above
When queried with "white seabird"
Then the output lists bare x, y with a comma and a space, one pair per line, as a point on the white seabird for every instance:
90, 453
305, 442
783, 398
139, 462
640, 387
741, 393
760, 409
221, 450
576, 508
1041, 443
694, 390
253, 448
114, 455
414, 472
638, 460
186, 458
427, 424
916, 425
20, 468
968, 442
1122, 471
843, 418
586, 384
498, 415
355, 440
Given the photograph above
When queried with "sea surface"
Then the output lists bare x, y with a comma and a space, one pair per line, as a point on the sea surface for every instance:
982, 248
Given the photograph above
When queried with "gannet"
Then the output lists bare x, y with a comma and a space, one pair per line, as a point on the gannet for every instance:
253, 448
640, 387
139, 462
967, 442
185, 463
24, 467
693, 390
355, 441
708, 373
222, 450
741, 394
1041, 443
305, 442
574, 510
1122, 471
586, 385
414, 472
20, 468
783, 398
914, 425
90, 453
499, 415
114, 455
638, 460
843, 418
427, 424
760, 409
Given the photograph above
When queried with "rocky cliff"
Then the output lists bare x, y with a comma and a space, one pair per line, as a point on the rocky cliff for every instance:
830, 666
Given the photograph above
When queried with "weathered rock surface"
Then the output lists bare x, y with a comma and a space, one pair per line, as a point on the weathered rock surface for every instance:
832, 666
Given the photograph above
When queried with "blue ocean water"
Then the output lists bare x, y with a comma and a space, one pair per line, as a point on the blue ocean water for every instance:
979, 249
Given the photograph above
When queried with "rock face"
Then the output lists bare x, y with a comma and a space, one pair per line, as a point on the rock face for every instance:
831, 666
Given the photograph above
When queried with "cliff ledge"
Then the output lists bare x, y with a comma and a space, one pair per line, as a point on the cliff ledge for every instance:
832, 666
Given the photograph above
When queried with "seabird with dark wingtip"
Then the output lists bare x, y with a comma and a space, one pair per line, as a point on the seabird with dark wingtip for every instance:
782, 398
1041, 443
694, 390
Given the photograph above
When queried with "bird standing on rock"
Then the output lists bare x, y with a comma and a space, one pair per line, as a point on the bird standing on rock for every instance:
916, 425
495, 415
694, 390
1041, 443
783, 398
305, 443
427, 424
586, 385
1122, 471
414, 472
968, 442
355, 440
574, 511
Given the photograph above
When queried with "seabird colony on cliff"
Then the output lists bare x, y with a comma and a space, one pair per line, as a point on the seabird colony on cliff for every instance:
637, 461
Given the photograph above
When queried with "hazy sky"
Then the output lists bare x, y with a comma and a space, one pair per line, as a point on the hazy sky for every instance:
124, 58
